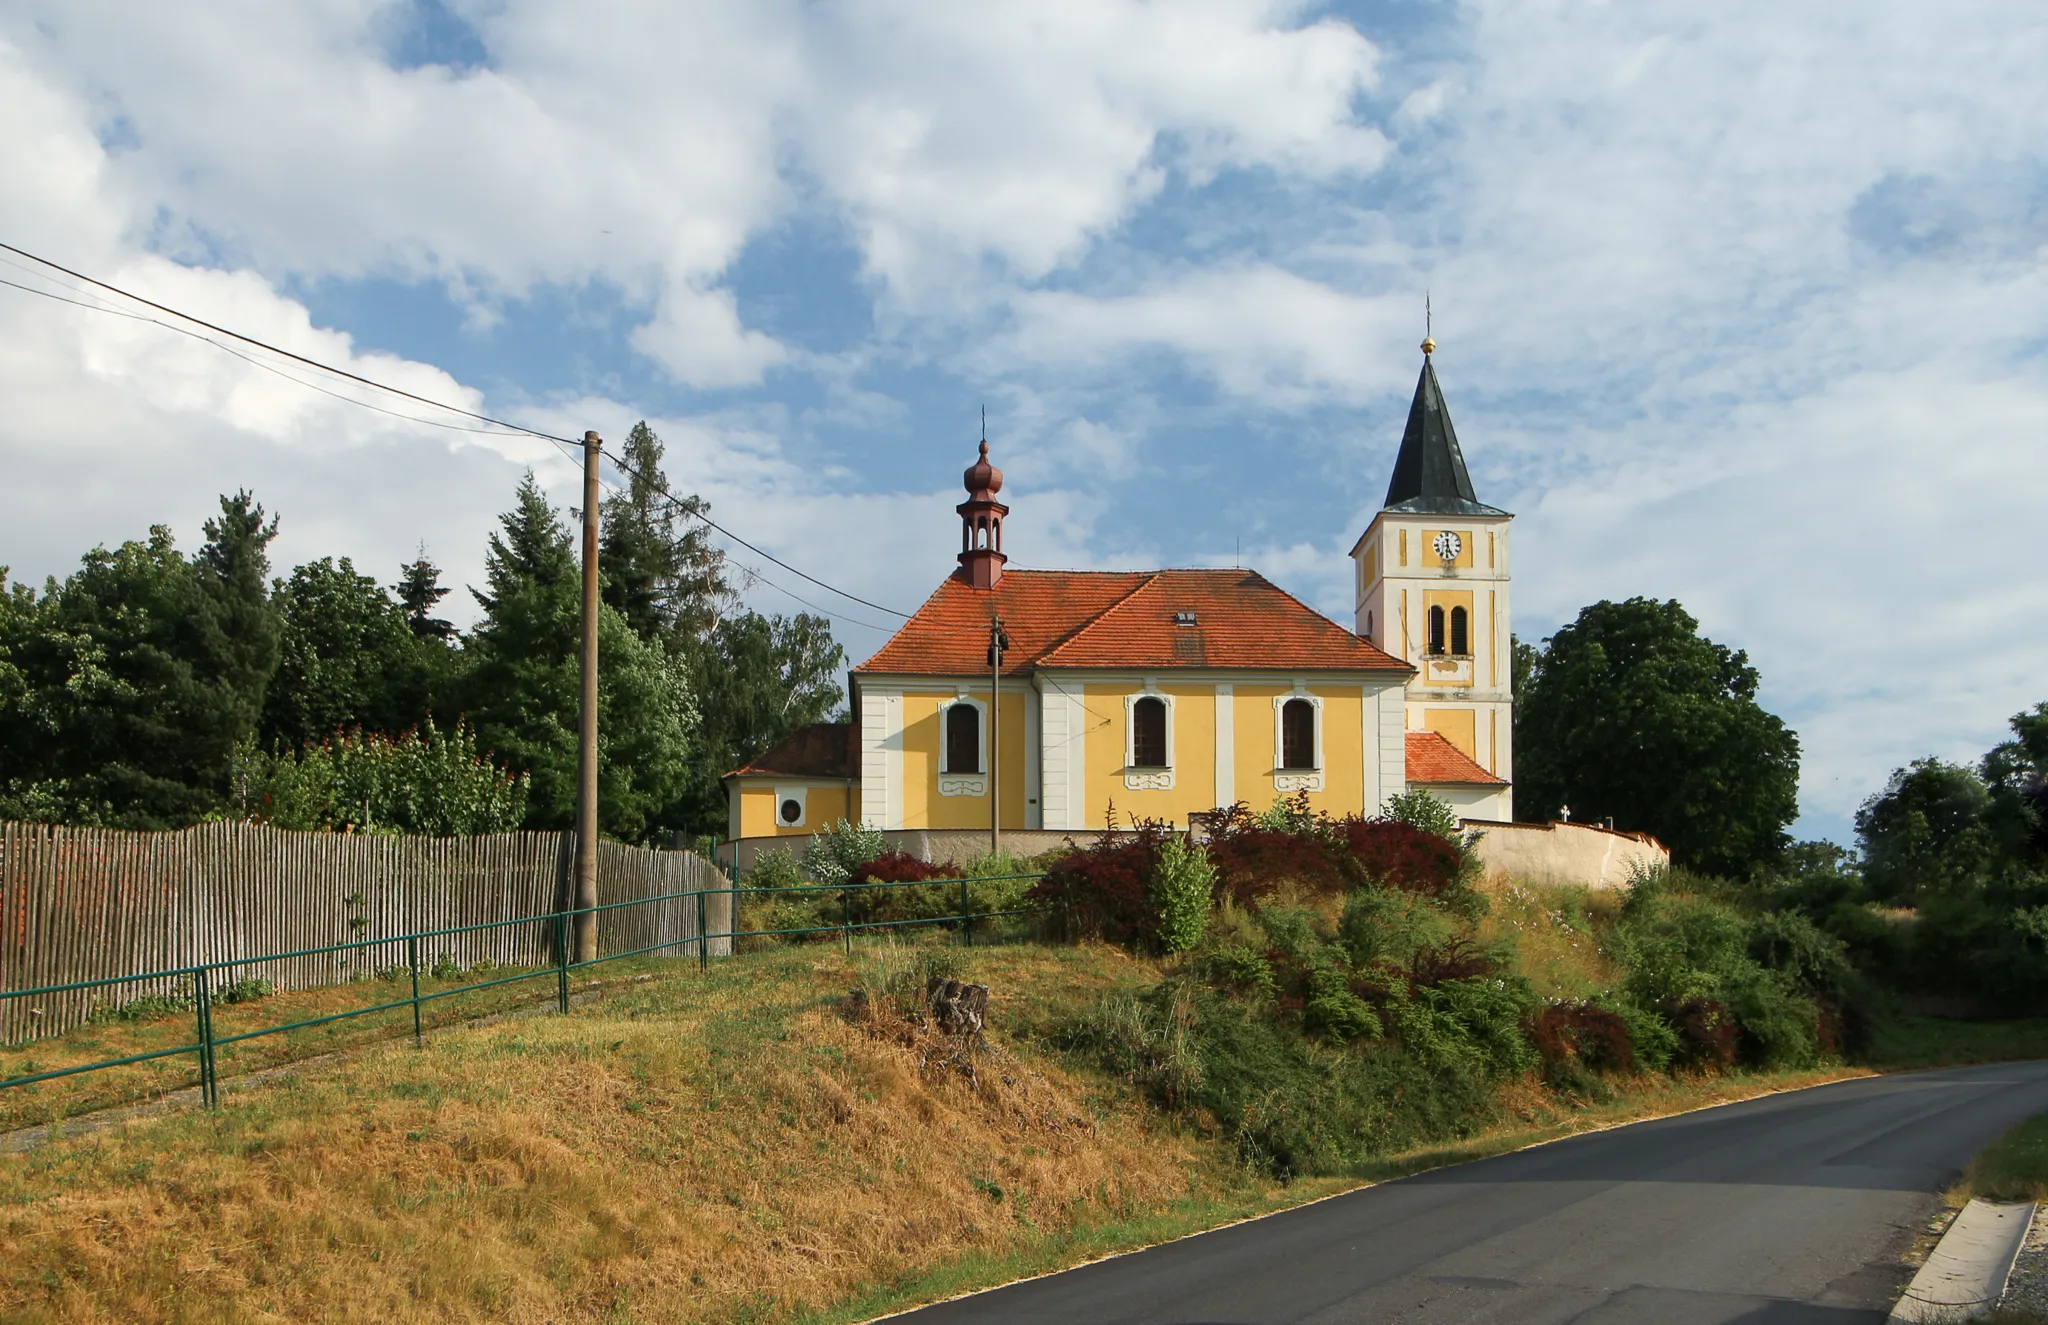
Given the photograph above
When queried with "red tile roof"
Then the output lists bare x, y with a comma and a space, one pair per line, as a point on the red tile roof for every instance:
1123, 619
818, 750
1432, 759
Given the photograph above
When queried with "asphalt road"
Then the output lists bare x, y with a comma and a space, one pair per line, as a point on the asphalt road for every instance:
1792, 1208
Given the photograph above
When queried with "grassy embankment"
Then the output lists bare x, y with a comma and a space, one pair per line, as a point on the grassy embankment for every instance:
699, 1148
153, 1025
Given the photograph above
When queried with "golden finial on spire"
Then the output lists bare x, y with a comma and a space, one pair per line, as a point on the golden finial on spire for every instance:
1428, 318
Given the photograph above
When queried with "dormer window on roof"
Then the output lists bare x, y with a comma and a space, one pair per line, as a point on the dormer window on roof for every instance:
1183, 618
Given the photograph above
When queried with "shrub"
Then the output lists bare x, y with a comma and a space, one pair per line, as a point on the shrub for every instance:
835, 852
1333, 1010
427, 781
1391, 854
774, 868
1241, 969
1423, 810
1183, 888
895, 867
1583, 1034
1256, 855
1472, 1024
1390, 929
245, 990
1653, 1040
1106, 889
1810, 958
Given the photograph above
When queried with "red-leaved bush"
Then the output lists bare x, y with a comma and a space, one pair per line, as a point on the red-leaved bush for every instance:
1392, 854
897, 867
1581, 1033
1106, 889
1706, 1033
1253, 860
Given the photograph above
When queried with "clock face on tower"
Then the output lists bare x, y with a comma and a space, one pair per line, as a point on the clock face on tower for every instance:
1448, 545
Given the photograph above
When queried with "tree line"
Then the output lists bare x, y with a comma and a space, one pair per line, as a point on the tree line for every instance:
1629, 712
149, 689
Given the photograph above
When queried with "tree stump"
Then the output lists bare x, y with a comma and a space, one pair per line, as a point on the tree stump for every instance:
957, 1009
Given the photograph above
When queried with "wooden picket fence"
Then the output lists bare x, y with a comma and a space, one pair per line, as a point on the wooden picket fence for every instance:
91, 903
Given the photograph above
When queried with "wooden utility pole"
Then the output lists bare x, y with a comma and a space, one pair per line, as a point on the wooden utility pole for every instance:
997, 642
586, 749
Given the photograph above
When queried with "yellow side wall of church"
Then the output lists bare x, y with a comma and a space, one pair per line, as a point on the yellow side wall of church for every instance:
923, 737
1254, 718
1194, 756
824, 804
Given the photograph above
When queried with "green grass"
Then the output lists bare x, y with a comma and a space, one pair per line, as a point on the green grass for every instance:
1910, 1042
2014, 1167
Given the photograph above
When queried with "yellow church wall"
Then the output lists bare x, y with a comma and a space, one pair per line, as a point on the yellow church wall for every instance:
923, 739
1253, 719
824, 803
1193, 714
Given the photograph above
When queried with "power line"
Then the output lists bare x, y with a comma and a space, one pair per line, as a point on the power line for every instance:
496, 423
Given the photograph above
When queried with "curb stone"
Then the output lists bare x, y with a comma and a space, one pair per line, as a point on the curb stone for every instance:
1966, 1275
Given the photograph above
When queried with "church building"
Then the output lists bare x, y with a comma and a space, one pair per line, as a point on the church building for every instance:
1071, 695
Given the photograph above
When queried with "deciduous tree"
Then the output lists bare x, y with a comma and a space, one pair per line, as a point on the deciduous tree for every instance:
1629, 712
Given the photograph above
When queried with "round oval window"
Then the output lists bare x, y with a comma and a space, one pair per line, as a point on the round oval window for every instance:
792, 811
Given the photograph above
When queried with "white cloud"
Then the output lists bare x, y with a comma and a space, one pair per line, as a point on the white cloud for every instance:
1261, 332
1736, 305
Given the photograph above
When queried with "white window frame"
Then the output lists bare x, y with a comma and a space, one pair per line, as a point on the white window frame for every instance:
1146, 779
963, 784
1296, 779
802, 796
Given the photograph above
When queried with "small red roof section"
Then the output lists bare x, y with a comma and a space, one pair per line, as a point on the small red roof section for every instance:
1432, 759
819, 750
1124, 619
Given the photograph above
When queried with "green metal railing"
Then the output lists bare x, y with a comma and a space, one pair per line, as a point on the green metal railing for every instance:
202, 978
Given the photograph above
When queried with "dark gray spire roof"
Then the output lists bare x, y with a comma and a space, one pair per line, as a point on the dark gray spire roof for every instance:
1429, 474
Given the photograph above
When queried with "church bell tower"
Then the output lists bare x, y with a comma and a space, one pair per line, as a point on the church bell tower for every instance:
1431, 587
981, 524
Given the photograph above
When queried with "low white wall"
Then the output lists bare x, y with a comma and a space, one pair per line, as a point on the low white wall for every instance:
1582, 854
938, 845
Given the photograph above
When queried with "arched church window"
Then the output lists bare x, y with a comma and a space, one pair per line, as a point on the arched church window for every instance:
1297, 734
1461, 633
963, 738
1368, 626
1148, 732
1436, 631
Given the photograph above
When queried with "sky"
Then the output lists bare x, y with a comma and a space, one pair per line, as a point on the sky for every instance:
1739, 304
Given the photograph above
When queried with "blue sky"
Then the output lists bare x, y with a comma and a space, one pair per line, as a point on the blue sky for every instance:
1741, 306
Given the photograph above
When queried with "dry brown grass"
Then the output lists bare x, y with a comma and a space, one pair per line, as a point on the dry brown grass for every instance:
714, 1148
24, 1106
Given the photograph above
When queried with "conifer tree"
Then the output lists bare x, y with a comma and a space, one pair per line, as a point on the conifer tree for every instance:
522, 694
419, 589
661, 571
233, 567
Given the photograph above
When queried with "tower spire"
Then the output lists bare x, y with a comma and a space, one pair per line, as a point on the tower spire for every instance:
1429, 473
981, 523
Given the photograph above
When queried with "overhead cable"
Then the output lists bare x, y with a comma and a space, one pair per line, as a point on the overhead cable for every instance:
504, 426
